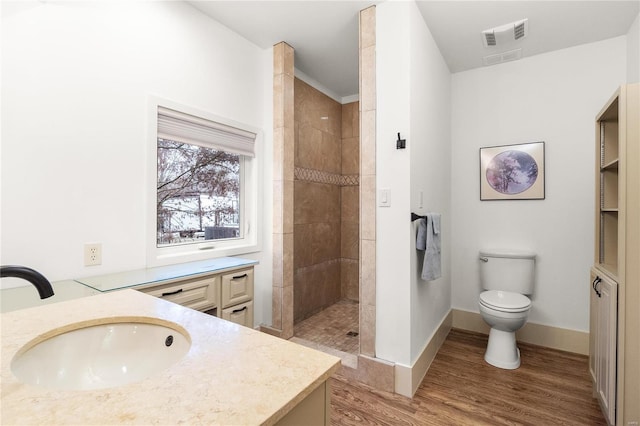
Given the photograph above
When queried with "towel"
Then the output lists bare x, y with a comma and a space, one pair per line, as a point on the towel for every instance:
428, 239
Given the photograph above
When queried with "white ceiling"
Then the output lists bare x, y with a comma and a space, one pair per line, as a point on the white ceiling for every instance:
324, 33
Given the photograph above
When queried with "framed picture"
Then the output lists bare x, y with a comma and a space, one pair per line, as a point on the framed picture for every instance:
512, 172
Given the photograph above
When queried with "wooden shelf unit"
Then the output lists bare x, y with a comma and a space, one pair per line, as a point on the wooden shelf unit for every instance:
615, 318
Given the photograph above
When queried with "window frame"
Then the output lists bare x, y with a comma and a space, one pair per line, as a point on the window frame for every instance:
250, 196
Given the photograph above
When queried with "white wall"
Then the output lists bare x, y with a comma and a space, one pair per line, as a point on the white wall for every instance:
430, 165
412, 83
393, 230
633, 52
75, 81
553, 98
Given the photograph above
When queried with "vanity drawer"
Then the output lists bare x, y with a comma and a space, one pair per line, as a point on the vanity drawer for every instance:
237, 287
240, 314
200, 294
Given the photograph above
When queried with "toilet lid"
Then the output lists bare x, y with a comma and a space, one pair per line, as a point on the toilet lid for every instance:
505, 301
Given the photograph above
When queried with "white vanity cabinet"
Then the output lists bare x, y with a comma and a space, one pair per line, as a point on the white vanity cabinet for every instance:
201, 294
222, 287
227, 295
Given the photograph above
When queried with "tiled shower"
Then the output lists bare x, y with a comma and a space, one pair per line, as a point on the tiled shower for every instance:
326, 214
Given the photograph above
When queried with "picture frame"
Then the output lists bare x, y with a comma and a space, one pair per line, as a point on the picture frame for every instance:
512, 172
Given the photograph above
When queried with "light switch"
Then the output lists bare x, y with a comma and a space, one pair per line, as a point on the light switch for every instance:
384, 198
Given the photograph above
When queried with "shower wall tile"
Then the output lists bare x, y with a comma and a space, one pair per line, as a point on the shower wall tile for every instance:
349, 279
283, 57
278, 152
278, 278
350, 203
368, 143
284, 135
278, 207
316, 287
327, 238
356, 119
368, 27
347, 121
367, 61
368, 79
288, 106
368, 272
288, 153
287, 260
276, 307
331, 153
367, 329
278, 101
287, 312
368, 207
308, 147
302, 246
351, 156
349, 241
316, 202
317, 109
316, 243
287, 206
278, 59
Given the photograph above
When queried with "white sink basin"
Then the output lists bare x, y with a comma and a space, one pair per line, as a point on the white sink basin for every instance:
115, 352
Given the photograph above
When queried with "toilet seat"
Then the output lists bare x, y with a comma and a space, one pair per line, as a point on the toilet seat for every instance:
505, 301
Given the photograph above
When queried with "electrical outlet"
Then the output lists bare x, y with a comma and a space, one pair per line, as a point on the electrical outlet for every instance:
92, 254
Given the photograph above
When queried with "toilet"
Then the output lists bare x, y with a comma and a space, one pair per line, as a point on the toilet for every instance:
507, 278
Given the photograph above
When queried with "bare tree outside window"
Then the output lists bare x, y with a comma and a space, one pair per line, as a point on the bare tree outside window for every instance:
198, 193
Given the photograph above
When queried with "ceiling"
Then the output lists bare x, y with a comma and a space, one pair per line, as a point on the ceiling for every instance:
324, 33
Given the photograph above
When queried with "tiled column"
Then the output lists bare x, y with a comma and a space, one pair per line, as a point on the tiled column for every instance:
283, 154
367, 58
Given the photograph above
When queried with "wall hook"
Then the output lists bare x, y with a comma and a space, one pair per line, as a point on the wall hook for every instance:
401, 143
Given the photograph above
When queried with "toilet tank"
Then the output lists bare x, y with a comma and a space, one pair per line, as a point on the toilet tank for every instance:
507, 270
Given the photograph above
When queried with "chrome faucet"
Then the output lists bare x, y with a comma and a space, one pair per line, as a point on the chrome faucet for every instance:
34, 277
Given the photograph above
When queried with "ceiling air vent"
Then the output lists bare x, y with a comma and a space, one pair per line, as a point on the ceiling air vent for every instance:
505, 34
520, 30
490, 38
499, 58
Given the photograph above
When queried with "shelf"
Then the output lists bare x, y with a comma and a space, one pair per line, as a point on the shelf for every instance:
608, 238
609, 269
611, 165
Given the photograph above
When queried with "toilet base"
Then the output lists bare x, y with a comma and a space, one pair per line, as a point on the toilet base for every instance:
502, 351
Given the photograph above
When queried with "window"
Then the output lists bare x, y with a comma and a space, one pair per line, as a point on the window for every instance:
204, 191
198, 193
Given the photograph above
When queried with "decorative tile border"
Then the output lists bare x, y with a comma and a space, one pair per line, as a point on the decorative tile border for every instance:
318, 176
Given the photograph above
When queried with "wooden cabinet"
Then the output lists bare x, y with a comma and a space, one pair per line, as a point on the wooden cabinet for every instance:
237, 287
603, 341
228, 295
314, 410
614, 353
200, 294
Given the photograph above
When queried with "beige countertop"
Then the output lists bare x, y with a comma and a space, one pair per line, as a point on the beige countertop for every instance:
232, 375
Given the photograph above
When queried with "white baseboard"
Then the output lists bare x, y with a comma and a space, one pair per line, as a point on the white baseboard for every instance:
537, 334
408, 378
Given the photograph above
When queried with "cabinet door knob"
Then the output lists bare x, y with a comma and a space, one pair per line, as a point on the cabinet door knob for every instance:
594, 285
239, 276
239, 310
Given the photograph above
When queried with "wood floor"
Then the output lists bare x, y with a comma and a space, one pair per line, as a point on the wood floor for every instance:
550, 388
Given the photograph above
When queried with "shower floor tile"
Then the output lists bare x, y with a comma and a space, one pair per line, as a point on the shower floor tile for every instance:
335, 327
